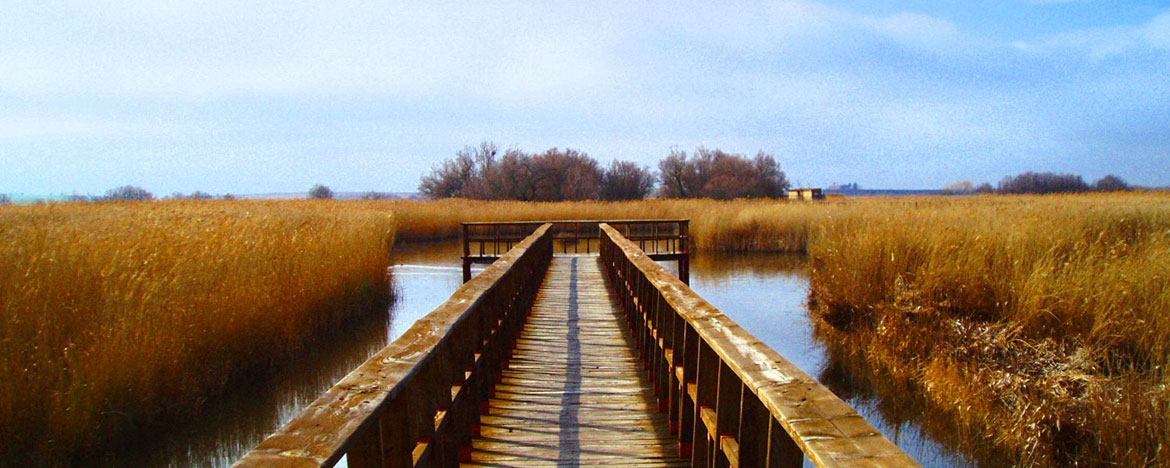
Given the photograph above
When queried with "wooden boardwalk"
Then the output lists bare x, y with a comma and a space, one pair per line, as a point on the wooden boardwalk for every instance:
574, 393
577, 360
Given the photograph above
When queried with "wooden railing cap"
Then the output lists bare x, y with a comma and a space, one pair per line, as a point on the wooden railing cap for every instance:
577, 221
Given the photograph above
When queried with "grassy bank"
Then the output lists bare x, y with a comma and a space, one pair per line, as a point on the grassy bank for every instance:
734, 226
1043, 322
114, 317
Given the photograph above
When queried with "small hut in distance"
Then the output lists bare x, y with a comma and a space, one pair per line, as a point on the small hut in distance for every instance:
806, 193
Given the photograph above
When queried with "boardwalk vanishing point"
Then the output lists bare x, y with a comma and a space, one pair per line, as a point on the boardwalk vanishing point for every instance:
595, 357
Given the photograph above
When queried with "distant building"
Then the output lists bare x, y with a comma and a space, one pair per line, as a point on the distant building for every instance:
806, 193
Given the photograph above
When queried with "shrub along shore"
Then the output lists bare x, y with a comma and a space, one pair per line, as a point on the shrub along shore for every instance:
1041, 321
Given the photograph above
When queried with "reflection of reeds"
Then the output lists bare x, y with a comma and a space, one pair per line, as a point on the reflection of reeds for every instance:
1045, 321
901, 404
114, 317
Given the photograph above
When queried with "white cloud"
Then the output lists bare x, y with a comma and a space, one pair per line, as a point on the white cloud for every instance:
1102, 43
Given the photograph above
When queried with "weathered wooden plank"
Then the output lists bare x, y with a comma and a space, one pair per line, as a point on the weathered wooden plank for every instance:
574, 392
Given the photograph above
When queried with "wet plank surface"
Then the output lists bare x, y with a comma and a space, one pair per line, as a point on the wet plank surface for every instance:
574, 393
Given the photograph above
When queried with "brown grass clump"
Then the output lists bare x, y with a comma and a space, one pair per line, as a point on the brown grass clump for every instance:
114, 317
1043, 320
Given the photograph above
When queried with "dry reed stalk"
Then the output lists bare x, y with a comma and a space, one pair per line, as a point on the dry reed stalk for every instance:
114, 317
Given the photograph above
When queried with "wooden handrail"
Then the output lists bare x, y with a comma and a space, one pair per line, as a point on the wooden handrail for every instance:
419, 399
664, 239
582, 221
732, 400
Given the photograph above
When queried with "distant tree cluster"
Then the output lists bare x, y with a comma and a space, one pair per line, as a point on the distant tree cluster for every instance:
1111, 183
1040, 182
5, 199
1043, 182
196, 195
321, 192
556, 175
127, 193
376, 196
720, 175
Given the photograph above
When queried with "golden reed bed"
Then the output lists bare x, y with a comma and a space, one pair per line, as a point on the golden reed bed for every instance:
117, 317
1040, 321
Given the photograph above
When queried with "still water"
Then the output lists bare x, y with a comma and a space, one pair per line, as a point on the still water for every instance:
766, 294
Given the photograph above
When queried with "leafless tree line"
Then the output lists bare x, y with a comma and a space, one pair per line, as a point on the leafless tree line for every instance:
556, 175
1040, 182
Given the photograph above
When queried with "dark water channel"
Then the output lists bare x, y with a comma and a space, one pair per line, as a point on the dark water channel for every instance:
766, 294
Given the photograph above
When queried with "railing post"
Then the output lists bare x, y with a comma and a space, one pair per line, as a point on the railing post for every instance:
366, 449
466, 254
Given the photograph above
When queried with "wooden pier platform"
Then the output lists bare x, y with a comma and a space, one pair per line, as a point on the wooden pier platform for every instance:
574, 392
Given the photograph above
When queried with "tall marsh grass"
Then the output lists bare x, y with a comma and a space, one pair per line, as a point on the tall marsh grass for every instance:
114, 317
1043, 321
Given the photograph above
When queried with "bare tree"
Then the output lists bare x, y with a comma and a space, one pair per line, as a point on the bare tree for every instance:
714, 173
128, 193
514, 177
625, 180
320, 192
727, 176
674, 172
566, 175
1043, 182
448, 179
771, 182
1111, 183
464, 176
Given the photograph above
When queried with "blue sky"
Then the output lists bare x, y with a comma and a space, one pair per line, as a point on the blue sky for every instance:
255, 97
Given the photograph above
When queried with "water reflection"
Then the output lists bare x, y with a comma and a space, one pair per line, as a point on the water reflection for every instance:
767, 295
899, 405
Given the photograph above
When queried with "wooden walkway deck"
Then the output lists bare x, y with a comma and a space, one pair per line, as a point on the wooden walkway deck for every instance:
574, 393
577, 360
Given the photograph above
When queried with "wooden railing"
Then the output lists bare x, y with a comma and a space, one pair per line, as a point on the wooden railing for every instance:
732, 400
418, 401
662, 239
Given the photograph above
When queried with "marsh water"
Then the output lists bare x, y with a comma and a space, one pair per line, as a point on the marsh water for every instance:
766, 294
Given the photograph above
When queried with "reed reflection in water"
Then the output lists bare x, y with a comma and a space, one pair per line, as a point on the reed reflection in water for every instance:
768, 294
422, 277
